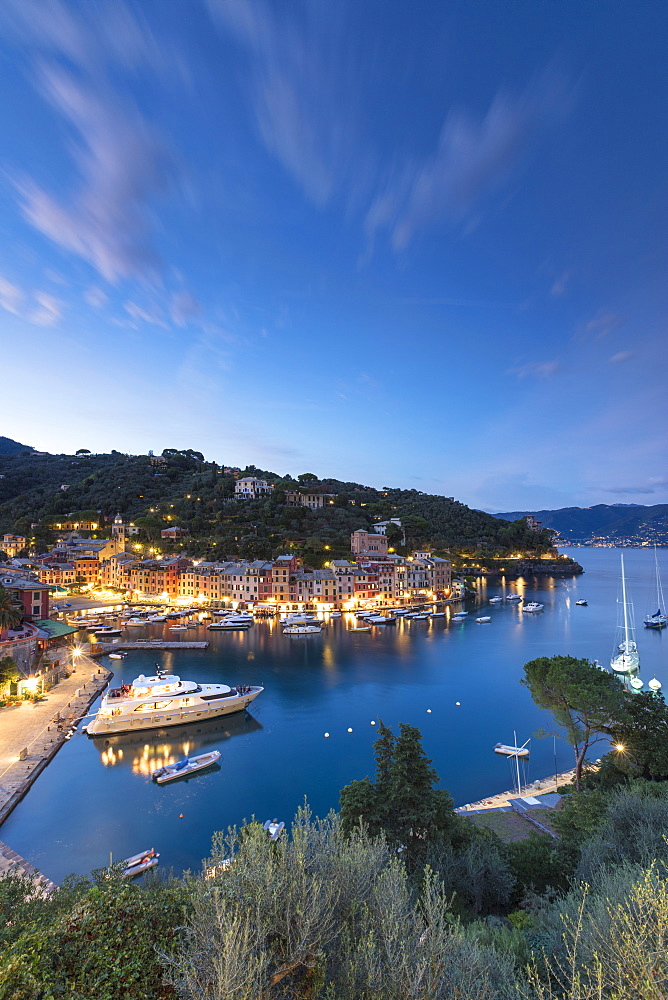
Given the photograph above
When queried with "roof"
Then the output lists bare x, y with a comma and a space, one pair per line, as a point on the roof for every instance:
52, 630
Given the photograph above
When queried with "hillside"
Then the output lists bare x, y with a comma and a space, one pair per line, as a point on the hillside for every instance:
189, 492
10, 447
604, 522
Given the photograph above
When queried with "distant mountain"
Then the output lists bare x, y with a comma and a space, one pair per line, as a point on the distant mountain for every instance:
9, 447
604, 522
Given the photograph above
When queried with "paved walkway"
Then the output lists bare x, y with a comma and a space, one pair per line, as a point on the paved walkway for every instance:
29, 733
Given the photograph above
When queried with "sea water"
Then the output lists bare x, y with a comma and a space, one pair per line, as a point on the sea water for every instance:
458, 683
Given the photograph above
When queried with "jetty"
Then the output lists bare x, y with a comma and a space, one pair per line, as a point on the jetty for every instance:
100, 648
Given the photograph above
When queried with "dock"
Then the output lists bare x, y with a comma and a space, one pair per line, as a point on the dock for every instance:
100, 648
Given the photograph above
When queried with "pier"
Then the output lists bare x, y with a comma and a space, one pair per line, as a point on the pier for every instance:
100, 648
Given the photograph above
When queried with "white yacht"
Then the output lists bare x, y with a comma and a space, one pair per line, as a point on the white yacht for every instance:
166, 700
533, 606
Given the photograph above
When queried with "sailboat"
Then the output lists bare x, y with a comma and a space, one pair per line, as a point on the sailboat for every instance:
658, 620
625, 659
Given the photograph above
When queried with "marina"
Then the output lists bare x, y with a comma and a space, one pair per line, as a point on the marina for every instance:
458, 683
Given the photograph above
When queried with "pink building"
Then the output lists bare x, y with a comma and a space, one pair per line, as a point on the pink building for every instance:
364, 543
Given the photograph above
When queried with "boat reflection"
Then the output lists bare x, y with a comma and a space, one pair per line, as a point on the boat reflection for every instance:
145, 752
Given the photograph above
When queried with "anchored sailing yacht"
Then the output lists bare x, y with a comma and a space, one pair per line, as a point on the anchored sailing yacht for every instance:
166, 700
660, 619
625, 659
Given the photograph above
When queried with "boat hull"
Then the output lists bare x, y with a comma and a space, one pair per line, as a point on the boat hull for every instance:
166, 717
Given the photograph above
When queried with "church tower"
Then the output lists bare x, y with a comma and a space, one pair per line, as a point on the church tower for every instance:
118, 533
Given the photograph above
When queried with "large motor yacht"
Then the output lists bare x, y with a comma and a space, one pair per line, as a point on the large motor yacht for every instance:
166, 700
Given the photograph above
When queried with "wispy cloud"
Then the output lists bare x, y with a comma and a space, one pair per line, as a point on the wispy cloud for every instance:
152, 315
301, 90
47, 312
11, 297
603, 323
40, 308
309, 80
120, 164
621, 357
473, 157
96, 297
536, 369
560, 285
183, 308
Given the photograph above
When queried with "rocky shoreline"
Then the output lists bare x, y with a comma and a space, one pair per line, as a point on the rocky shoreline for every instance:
520, 568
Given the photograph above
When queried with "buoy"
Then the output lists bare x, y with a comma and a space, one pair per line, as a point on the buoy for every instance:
326, 735
180, 815
349, 729
458, 703
428, 711
373, 723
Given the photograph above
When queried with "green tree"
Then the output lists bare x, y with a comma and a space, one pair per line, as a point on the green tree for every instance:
641, 737
11, 612
402, 802
583, 699
308, 477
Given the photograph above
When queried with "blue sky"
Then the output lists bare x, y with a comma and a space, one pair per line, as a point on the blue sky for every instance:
418, 245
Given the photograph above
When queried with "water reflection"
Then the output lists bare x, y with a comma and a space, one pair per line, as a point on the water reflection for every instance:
144, 752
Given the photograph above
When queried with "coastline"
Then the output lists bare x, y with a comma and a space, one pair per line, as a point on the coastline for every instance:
31, 734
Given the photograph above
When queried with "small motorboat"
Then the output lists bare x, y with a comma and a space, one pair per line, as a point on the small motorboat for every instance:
484, 619
438, 614
301, 629
581, 604
274, 828
533, 606
116, 656
495, 600
360, 628
140, 863
514, 597
107, 630
184, 767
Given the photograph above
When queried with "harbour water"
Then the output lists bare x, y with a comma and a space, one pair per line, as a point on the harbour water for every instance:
458, 683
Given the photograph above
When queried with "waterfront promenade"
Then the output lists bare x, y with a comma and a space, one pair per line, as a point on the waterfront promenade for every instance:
29, 733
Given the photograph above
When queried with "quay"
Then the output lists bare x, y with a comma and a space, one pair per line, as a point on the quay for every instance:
100, 648
32, 733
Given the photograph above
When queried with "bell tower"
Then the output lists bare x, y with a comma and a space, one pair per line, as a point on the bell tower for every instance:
118, 533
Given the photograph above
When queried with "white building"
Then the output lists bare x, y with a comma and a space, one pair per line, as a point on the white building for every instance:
251, 488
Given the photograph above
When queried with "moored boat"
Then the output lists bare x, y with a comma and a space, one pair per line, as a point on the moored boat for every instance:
274, 828
625, 659
140, 863
182, 768
166, 700
533, 606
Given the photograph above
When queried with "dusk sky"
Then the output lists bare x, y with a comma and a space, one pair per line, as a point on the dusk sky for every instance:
408, 244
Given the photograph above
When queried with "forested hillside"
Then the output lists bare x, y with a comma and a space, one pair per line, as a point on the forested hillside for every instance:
9, 447
189, 492
616, 522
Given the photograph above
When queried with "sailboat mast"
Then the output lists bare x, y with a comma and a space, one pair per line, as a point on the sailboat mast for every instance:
626, 613
517, 760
